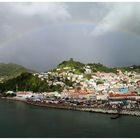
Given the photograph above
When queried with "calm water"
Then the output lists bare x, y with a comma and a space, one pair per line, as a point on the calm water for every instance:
21, 120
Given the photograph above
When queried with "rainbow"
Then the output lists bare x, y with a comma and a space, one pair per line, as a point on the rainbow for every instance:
35, 29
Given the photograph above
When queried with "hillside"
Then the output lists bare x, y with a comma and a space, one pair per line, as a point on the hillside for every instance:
71, 63
101, 68
28, 82
10, 70
95, 67
80, 66
131, 68
66, 74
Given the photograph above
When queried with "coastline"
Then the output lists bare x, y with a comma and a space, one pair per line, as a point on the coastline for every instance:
92, 110
76, 108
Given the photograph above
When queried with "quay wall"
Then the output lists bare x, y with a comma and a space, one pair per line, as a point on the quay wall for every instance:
86, 109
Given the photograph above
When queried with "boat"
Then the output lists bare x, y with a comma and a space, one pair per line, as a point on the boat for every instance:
115, 116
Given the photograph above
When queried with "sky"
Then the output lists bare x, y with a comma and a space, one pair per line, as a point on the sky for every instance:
39, 36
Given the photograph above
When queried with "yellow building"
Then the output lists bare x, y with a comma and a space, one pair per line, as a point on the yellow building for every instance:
119, 72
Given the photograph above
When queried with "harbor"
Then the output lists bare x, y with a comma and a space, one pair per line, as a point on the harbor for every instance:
19, 119
97, 109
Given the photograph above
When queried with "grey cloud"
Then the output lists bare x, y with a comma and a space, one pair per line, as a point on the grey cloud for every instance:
123, 17
40, 38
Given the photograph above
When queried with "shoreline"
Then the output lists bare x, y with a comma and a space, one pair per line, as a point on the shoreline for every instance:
77, 108
92, 110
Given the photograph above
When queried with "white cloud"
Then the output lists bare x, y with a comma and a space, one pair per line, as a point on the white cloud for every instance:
51, 11
123, 17
18, 19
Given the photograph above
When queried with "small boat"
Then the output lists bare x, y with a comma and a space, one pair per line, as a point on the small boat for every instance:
115, 116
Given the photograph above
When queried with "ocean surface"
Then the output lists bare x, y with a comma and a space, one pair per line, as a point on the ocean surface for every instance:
21, 120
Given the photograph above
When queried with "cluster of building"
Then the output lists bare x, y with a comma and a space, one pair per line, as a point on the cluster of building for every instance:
98, 82
98, 89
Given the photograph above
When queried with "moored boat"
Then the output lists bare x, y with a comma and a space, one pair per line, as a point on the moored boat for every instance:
115, 116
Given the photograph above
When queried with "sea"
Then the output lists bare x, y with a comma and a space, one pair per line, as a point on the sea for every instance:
21, 120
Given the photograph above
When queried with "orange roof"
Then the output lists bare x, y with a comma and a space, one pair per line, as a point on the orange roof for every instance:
122, 95
22, 92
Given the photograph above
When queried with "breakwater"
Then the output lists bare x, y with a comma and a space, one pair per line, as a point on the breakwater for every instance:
78, 108
87, 109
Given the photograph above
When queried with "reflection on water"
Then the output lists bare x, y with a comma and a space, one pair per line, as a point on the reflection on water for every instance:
18, 119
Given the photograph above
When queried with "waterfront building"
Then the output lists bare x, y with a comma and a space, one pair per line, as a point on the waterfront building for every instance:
24, 94
10, 93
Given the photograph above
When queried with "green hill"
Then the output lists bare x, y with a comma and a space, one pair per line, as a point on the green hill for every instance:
28, 82
95, 67
10, 70
80, 66
19, 78
71, 63
135, 68
100, 67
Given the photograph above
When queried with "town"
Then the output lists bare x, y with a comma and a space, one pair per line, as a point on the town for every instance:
88, 90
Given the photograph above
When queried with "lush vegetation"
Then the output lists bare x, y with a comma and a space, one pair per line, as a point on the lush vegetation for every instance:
79, 67
18, 77
131, 68
100, 67
8, 71
68, 82
72, 64
28, 82
99, 82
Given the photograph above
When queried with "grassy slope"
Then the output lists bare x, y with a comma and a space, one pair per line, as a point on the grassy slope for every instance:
8, 71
